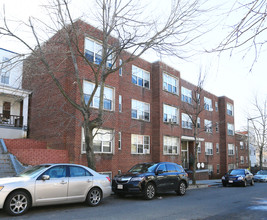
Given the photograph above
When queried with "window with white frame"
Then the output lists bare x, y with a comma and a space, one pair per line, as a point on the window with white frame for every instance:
102, 142
208, 104
246, 159
140, 77
170, 84
242, 160
120, 103
5, 70
208, 148
230, 129
186, 95
88, 88
231, 166
216, 106
198, 122
140, 144
171, 145
170, 114
210, 168
119, 140
120, 70
199, 147
241, 145
217, 148
231, 149
93, 52
186, 121
230, 109
208, 126
140, 110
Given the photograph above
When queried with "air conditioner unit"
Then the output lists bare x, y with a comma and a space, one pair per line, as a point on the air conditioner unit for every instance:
141, 117
170, 120
146, 151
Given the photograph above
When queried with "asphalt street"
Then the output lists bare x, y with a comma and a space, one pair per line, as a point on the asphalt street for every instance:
215, 202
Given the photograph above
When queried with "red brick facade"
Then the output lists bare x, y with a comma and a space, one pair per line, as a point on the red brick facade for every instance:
54, 120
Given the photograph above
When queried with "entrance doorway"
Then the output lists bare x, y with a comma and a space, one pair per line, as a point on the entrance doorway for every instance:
185, 156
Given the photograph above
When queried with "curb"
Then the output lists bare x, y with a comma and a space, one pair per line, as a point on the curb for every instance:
198, 186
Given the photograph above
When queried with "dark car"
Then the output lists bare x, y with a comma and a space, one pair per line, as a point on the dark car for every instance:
238, 176
148, 179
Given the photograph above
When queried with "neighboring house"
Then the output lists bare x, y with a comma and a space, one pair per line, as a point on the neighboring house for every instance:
14, 101
243, 159
143, 120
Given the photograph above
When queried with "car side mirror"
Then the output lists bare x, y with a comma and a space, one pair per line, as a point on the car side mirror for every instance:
160, 172
45, 177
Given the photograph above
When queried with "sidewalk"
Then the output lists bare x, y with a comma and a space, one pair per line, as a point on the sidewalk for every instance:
204, 183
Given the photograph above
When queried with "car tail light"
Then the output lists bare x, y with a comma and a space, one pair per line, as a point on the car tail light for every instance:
108, 179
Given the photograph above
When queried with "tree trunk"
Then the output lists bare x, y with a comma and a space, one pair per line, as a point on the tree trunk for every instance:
261, 154
88, 134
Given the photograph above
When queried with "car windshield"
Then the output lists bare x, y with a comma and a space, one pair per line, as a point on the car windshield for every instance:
32, 171
237, 172
143, 168
262, 172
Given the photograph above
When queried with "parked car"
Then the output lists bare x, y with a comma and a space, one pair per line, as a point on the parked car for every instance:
148, 179
238, 176
261, 176
49, 184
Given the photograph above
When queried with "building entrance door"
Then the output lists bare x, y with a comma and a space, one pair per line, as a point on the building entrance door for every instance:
185, 156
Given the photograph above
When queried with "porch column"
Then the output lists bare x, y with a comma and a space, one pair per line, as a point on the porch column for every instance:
25, 111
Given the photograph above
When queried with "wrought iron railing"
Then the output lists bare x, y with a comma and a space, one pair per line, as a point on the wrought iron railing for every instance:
11, 120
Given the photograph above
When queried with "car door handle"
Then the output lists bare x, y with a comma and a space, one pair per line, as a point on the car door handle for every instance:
62, 182
88, 181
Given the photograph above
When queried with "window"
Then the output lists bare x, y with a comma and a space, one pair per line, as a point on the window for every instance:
5, 70
186, 121
246, 159
120, 103
230, 129
218, 168
93, 52
170, 114
171, 145
140, 110
231, 166
241, 145
186, 95
88, 88
199, 148
140, 77
119, 140
170, 84
120, 70
209, 148
216, 106
208, 126
78, 172
210, 168
56, 172
241, 159
140, 144
103, 141
231, 149
208, 104
217, 148
217, 127
198, 122
230, 109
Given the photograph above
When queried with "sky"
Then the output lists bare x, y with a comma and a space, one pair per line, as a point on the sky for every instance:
228, 73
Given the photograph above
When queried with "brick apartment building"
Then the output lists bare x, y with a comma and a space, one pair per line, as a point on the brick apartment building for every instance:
143, 118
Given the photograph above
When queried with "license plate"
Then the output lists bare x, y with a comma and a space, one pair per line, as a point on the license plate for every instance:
119, 186
230, 181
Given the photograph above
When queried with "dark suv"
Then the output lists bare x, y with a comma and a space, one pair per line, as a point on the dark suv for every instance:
150, 178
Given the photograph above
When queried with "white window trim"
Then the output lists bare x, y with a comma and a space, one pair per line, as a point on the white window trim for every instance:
187, 122
230, 110
208, 148
144, 152
143, 117
120, 103
208, 126
232, 151
208, 104
233, 131
178, 146
184, 93
119, 140
144, 71
175, 78
170, 120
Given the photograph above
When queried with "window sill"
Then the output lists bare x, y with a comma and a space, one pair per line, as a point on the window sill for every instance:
171, 92
141, 120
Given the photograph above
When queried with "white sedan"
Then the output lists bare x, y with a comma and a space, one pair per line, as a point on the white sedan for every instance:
49, 184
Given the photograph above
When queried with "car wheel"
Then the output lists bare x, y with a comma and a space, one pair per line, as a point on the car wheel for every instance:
245, 183
181, 188
17, 203
94, 197
150, 191
252, 182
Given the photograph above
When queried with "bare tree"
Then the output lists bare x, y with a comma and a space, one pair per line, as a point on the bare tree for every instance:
124, 32
193, 109
259, 126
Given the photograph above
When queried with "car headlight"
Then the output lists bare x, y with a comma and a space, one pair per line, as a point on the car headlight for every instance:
240, 178
1, 187
139, 178
223, 178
